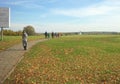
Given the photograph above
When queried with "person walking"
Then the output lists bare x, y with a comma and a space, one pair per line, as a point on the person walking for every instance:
52, 34
24, 40
46, 34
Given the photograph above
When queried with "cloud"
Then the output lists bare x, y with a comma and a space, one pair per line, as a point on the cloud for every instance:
32, 5
102, 16
25, 3
102, 8
49, 1
18, 2
18, 26
77, 27
83, 12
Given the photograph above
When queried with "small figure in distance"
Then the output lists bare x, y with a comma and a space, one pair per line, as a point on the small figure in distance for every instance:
46, 34
52, 34
24, 39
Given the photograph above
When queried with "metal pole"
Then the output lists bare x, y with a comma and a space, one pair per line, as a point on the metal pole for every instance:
1, 33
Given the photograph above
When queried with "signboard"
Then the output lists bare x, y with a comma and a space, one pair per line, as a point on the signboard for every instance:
4, 17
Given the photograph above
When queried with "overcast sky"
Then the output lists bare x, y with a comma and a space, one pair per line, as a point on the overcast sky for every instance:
64, 15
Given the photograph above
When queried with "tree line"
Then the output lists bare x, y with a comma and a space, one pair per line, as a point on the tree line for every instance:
29, 30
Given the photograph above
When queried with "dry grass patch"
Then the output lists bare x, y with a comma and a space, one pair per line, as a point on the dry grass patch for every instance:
70, 60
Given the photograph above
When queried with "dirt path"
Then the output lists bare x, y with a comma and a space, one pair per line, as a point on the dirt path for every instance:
10, 57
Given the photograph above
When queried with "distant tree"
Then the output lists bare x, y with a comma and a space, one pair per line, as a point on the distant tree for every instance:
8, 32
18, 33
29, 30
12, 33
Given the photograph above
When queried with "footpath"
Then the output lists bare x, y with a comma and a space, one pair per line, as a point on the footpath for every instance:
11, 57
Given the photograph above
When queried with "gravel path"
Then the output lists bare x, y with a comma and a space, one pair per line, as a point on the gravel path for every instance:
10, 57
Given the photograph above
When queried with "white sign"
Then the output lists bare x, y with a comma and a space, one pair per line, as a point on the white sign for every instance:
4, 17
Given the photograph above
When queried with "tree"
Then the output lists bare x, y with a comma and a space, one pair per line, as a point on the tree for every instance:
7, 32
29, 30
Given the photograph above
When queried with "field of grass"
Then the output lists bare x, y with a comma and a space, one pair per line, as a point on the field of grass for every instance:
12, 40
71, 60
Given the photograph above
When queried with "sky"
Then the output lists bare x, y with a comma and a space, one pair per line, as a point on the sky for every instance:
64, 15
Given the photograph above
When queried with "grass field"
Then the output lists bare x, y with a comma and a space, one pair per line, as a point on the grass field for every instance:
71, 60
12, 40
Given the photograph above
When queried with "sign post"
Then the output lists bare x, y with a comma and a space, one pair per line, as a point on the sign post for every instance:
1, 33
4, 19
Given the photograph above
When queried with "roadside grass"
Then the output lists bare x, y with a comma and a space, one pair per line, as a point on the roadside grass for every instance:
9, 41
71, 60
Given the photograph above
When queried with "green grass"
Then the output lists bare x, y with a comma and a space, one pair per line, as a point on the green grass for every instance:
9, 41
71, 60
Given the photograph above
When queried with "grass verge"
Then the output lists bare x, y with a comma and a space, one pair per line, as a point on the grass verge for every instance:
9, 41
71, 60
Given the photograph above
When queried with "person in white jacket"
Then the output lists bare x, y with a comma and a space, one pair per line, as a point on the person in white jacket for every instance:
24, 40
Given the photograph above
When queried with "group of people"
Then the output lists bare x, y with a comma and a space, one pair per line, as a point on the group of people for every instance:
53, 35
47, 35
